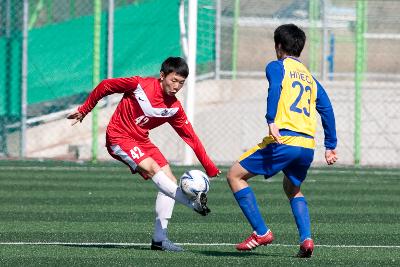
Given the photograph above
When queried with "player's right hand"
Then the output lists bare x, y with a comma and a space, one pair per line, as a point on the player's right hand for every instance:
331, 156
76, 116
213, 173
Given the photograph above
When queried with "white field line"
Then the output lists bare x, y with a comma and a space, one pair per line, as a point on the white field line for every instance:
359, 172
84, 244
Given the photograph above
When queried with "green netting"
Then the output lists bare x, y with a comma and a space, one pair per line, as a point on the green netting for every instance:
205, 35
60, 59
60, 55
10, 76
2, 76
145, 34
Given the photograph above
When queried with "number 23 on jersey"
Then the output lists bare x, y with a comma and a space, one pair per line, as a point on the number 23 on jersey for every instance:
304, 92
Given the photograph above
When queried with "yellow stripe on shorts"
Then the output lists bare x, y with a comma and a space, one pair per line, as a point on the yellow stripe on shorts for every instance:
287, 140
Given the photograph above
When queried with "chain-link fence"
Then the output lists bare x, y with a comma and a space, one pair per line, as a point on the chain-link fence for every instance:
351, 47
60, 65
10, 67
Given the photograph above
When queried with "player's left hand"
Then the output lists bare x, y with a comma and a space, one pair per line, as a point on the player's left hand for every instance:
331, 156
76, 116
274, 132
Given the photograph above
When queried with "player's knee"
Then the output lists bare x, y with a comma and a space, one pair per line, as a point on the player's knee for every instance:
289, 194
153, 170
149, 168
231, 176
290, 189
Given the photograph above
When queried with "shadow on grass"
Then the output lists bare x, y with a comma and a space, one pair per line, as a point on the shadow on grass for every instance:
108, 246
215, 253
239, 254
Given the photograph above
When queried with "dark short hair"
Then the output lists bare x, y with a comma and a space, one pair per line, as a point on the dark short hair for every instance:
291, 38
175, 64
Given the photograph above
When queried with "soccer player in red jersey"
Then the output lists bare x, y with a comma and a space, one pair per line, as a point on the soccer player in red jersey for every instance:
146, 104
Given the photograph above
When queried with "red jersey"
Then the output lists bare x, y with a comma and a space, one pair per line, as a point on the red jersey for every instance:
143, 107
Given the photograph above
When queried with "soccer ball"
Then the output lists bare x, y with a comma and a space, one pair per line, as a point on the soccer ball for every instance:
193, 182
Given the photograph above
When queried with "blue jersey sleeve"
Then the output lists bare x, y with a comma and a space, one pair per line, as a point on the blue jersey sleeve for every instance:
325, 110
275, 73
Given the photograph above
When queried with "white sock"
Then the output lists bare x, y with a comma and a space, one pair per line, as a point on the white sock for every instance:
164, 208
169, 188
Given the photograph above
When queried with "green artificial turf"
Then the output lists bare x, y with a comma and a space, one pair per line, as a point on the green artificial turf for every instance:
70, 214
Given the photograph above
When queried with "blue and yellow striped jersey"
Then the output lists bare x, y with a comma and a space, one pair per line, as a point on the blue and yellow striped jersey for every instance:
294, 98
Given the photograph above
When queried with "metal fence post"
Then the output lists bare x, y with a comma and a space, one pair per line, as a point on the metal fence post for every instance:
96, 74
360, 61
24, 82
191, 81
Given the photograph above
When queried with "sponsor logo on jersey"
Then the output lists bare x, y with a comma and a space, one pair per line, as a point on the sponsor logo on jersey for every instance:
148, 109
164, 112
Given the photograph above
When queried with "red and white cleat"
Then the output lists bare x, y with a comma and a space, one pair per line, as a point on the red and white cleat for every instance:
306, 249
255, 240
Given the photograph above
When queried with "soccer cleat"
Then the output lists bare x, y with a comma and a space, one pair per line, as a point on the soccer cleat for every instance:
165, 245
306, 249
201, 200
255, 240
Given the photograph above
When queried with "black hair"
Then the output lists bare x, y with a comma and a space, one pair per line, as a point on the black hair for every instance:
175, 64
291, 38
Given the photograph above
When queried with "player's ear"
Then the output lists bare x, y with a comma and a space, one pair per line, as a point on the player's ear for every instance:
162, 75
278, 49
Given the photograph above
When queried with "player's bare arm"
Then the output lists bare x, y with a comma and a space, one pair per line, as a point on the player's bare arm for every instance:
76, 116
331, 156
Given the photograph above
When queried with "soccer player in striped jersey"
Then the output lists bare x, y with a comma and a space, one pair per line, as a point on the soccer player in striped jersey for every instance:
294, 98
146, 104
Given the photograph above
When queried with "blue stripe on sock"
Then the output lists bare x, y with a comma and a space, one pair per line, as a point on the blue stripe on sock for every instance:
247, 202
301, 216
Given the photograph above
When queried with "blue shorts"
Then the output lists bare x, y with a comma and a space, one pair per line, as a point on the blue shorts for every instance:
270, 158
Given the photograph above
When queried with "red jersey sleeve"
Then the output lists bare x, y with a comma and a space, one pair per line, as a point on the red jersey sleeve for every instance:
108, 87
185, 130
